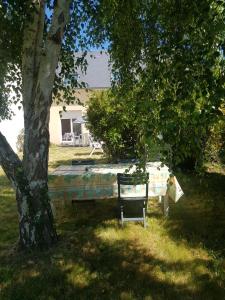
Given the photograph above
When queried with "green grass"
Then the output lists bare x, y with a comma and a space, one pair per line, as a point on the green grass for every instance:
63, 155
182, 257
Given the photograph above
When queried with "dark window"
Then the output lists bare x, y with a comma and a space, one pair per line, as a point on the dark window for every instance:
66, 129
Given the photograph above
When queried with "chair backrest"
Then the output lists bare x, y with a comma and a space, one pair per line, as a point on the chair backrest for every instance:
94, 144
97, 145
132, 179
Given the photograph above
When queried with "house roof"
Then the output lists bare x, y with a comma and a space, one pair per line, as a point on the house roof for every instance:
98, 73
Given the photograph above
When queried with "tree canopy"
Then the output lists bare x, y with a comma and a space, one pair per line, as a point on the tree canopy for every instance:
168, 56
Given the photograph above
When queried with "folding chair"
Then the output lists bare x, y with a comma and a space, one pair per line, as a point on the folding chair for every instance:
132, 208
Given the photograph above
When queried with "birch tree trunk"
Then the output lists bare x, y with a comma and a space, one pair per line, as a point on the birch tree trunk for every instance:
30, 177
36, 227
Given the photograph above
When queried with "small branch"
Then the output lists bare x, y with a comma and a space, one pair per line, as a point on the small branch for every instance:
14, 170
13, 167
9, 160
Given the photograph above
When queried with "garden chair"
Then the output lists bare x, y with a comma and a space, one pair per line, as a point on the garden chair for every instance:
95, 145
67, 136
132, 208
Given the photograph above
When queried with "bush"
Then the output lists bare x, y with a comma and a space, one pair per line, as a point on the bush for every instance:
215, 146
119, 124
113, 123
130, 129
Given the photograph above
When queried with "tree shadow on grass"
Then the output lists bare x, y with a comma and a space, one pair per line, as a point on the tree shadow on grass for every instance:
8, 217
95, 260
200, 215
104, 271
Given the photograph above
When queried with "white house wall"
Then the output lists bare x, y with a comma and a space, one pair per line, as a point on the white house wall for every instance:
55, 120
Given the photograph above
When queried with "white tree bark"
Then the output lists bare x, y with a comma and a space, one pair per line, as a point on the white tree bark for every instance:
30, 178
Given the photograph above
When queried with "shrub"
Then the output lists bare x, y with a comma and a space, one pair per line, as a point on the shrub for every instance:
215, 146
130, 129
119, 124
113, 123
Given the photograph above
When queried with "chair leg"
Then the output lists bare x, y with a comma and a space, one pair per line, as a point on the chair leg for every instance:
166, 206
121, 211
92, 151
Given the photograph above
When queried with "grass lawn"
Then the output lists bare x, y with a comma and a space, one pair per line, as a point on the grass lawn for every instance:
182, 257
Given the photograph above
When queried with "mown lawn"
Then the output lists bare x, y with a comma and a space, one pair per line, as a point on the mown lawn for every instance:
182, 257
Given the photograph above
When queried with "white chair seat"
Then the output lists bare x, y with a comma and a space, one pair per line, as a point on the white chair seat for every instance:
95, 145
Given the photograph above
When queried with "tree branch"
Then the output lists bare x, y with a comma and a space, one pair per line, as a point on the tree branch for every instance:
11, 163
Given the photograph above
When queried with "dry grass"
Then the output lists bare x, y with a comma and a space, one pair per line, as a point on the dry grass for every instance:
63, 155
177, 258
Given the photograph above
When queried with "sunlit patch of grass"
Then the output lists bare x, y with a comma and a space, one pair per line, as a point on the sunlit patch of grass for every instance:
80, 276
215, 168
64, 155
127, 295
160, 257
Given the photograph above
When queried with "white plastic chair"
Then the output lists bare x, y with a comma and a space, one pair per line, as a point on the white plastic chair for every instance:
95, 145
67, 136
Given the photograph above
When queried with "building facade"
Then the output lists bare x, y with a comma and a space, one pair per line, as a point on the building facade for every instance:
69, 127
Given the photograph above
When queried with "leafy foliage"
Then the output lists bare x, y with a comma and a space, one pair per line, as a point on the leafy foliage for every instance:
114, 122
168, 56
14, 16
12, 19
215, 146
120, 125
